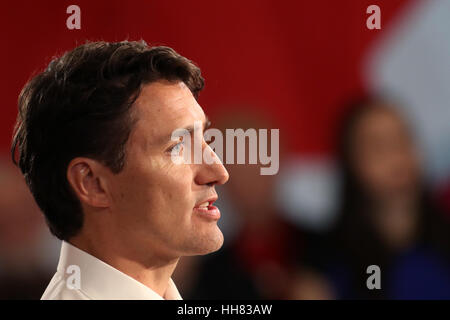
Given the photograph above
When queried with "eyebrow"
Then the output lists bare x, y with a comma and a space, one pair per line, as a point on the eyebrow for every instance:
190, 128
206, 125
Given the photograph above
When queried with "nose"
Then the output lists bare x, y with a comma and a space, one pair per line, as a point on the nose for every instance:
212, 174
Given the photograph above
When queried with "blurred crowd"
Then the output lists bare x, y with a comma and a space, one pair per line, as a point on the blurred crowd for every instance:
386, 214
28, 253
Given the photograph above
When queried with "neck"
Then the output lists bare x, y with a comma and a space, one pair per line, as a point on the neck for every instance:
142, 264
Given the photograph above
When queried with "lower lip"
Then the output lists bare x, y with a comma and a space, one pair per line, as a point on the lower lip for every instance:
210, 212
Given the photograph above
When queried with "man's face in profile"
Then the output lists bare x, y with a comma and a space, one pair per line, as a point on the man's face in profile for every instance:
153, 198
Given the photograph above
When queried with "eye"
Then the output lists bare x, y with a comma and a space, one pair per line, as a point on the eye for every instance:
176, 148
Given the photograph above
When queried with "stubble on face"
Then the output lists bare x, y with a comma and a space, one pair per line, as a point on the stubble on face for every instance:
154, 197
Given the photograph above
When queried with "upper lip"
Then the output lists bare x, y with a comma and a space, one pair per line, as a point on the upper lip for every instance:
210, 200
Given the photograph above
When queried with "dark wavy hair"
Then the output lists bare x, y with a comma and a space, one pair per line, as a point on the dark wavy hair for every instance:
81, 106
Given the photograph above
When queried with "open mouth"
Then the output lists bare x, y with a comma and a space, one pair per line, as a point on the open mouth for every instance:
208, 210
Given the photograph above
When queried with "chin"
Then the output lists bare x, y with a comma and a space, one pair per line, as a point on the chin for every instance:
218, 243
209, 243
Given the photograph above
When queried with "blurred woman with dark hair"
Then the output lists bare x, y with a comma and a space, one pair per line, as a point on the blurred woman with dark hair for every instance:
387, 218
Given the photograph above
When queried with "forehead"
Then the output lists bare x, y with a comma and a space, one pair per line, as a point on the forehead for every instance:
163, 107
382, 121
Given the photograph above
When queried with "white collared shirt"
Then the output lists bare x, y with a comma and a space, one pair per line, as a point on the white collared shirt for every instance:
97, 280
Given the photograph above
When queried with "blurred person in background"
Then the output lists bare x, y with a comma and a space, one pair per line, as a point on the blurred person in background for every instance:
27, 252
264, 258
387, 216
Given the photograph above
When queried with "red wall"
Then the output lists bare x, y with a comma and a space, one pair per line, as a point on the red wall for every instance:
295, 59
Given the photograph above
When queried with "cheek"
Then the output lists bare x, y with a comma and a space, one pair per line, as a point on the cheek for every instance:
131, 194
175, 190
131, 187
159, 186
370, 171
168, 209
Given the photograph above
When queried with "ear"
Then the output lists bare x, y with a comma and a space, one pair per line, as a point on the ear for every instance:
88, 180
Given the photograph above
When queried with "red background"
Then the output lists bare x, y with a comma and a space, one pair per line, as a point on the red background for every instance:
295, 59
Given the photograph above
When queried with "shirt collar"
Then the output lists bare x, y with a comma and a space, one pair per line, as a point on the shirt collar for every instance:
100, 281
